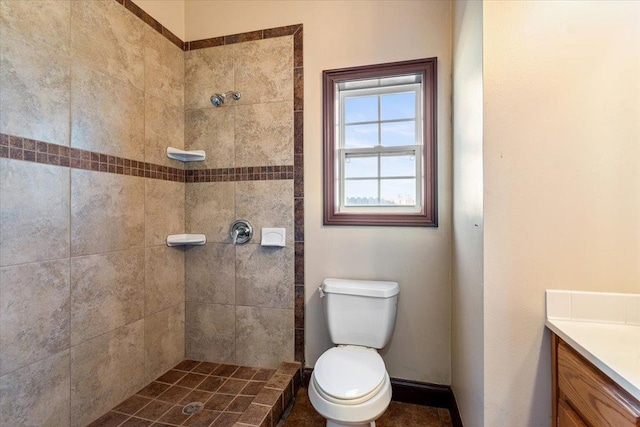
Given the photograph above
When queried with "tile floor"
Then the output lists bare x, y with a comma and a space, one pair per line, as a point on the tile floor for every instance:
397, 415
232, 396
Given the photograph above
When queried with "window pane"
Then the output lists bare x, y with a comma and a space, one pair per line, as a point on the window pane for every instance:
361, 109
361, 192
399, 133
398, 166
398, 106
359, 136
398, 192
360, 167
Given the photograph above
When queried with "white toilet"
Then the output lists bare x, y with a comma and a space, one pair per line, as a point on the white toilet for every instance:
349, 385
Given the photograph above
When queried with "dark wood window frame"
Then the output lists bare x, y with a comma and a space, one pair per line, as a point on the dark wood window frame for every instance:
428, 215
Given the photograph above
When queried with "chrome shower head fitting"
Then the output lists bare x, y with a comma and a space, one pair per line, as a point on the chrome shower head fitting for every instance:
217, 99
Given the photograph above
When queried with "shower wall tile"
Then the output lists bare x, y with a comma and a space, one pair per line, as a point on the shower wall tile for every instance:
107, 115
163, 68
263, 70
34, 312
35, 208
164, 278
35, 78
212, 130
211, 273
264, 276
207, 71
264, 336
266, 204
164, 210
264, 134
108, 38
107, 292
38, 394
210, 332
43, 21
107, 212
163, 341
164, 127
210, 209
104, 371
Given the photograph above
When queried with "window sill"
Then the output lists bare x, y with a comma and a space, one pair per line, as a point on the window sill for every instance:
376, 219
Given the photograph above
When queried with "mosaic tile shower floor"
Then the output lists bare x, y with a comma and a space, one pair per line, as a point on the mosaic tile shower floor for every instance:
232, 395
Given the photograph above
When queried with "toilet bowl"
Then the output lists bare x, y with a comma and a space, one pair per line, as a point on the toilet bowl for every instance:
350, 386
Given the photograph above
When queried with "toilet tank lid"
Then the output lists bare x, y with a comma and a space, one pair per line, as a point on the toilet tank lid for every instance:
369, 288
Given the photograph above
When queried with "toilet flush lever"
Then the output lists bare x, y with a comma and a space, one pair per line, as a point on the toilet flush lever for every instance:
321, 292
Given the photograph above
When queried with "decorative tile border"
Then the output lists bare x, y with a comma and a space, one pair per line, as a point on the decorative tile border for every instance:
17, 148
290, 30
251, 173
150, 21
298, 192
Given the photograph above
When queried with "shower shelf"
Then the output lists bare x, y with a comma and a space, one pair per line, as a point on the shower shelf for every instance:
186, 240
186, 156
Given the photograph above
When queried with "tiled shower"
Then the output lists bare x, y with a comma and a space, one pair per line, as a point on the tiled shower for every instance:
239, 305
93, 304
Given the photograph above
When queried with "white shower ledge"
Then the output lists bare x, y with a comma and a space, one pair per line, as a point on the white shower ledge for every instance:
186, 240
186, 156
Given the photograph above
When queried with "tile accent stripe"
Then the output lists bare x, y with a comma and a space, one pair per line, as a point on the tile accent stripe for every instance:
252, 173
150, 21
17, 148
288, 30
298, 192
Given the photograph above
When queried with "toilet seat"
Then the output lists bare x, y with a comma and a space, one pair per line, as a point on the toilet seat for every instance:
349, 375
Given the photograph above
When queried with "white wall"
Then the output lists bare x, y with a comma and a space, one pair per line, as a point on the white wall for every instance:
561, 180
169, 13
467, 256
341, 34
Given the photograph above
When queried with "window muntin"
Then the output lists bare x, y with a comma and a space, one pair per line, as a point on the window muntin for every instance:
379, 132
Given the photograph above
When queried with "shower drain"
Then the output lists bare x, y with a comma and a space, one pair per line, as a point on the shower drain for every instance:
192, 408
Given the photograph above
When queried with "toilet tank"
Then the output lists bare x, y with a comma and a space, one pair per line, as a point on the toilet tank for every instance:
360, 312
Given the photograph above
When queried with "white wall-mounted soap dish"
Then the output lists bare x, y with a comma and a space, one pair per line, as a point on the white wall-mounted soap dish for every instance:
186, 240
186, 156
273, 237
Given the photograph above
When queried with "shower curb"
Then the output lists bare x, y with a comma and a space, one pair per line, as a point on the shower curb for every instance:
285, 382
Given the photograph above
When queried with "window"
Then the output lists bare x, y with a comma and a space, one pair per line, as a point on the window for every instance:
380, 144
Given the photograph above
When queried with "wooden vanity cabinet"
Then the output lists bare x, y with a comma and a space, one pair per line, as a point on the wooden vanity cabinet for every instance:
583, 396
567, 417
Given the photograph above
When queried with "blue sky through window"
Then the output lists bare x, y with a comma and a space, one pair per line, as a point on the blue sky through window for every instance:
398, 106
361, 109
394, 124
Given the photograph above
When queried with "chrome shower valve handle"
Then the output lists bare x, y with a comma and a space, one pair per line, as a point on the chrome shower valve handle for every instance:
241, 232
